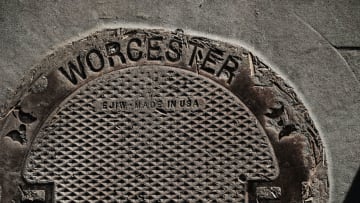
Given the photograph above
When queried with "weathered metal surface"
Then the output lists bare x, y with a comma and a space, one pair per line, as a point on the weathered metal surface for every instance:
149, 115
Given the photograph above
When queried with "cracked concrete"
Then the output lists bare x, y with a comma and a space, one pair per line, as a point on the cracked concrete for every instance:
352, 56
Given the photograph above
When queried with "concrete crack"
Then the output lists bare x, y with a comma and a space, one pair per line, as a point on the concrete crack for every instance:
336, 48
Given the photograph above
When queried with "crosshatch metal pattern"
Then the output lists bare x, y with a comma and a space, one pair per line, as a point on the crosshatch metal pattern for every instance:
187, 155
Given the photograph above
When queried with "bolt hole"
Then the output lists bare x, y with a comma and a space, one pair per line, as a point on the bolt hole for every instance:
242, 178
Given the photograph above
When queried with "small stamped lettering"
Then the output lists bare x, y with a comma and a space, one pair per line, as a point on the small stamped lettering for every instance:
147, 104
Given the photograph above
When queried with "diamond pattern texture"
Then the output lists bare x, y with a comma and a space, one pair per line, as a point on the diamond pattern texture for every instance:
185, 155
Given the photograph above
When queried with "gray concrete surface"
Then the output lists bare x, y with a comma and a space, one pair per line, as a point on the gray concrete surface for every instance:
352, 57
336, 21
297, 39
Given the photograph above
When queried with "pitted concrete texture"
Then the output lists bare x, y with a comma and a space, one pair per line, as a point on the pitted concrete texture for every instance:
296, 39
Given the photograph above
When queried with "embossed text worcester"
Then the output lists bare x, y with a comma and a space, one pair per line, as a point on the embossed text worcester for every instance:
156, 50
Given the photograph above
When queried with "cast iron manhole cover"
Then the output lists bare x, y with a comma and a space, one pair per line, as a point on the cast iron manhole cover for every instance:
154, 116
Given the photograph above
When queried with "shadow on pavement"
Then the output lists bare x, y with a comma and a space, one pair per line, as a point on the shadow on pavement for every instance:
353, 194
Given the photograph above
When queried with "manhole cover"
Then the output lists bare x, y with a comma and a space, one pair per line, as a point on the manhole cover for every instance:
153, 116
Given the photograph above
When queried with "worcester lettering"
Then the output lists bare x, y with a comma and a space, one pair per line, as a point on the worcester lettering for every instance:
174, 52
72, 70
95, 60
212, 60
213, 57
156, 49
134, 49
114, 52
